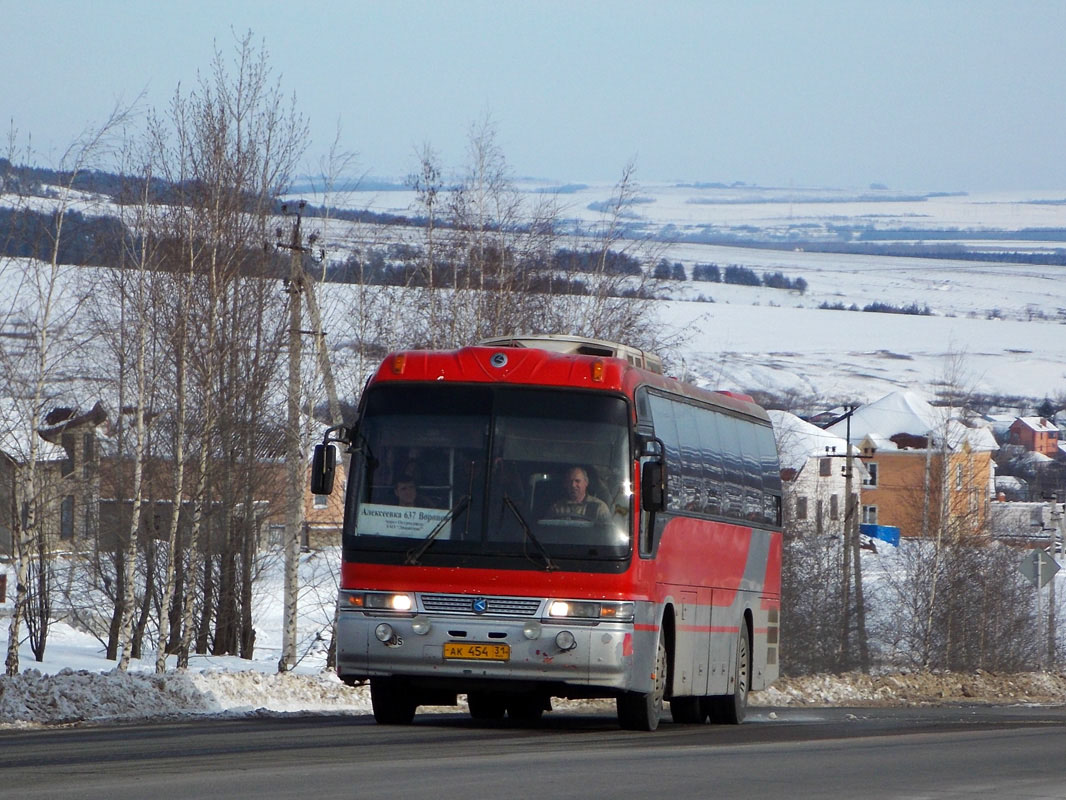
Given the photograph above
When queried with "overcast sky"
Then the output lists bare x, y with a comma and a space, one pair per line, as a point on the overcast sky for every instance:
927, 95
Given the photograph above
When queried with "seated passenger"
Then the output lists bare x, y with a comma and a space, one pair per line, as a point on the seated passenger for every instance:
579, 504
407, 494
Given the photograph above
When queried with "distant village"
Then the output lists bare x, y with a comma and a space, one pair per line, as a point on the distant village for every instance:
920, 471
916, 470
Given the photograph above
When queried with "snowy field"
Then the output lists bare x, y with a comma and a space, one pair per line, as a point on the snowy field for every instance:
1006, 321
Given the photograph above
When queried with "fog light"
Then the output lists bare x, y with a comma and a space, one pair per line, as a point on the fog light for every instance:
565, 640
531, 630
420, 625
384, 632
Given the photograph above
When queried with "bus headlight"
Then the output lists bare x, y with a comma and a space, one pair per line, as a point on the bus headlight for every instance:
565, 641
384, 633
592, 610
377, 601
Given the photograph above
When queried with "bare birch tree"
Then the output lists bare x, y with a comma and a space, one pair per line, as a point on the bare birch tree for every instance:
227, 150
46, 301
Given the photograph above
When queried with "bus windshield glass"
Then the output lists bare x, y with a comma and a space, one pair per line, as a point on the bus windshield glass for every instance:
538, 474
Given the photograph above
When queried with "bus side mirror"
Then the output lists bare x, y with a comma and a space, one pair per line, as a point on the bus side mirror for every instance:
323, 468
653, 486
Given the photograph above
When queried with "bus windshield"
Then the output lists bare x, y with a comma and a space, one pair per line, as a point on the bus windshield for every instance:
538, 474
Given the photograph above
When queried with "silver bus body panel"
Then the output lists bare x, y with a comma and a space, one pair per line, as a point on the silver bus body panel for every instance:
616, 656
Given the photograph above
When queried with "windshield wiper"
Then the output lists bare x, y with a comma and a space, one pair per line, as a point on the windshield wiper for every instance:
549, 565
414, 554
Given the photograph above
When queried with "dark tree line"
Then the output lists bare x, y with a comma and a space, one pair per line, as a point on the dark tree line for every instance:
87, 240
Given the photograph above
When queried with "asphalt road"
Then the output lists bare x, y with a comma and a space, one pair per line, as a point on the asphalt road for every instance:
852, 754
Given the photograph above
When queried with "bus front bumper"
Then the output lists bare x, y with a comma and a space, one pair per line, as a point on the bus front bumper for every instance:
485, 648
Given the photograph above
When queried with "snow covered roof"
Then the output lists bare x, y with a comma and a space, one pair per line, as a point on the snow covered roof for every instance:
798, 441
980, 438
898, 412
15, 435
1038, 424
906, 412
1010, 482
1034, 459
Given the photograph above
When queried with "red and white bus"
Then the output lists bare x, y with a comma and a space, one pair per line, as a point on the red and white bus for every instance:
523, 524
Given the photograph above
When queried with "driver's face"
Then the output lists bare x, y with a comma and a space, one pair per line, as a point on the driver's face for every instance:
576, 485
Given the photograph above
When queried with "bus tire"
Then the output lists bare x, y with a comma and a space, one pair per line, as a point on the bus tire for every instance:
640, 711
688, 710
525, 709
486, 706
392, 701
730, 709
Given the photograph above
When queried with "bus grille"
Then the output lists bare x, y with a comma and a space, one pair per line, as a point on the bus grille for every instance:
497, 606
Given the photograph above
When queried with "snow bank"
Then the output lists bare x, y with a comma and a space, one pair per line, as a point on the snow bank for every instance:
916, 689
33, 698
74, 696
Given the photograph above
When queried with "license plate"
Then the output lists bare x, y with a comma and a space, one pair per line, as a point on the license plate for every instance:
477, 651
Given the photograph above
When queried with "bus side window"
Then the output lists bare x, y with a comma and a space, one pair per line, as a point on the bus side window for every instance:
710, 455
733, 478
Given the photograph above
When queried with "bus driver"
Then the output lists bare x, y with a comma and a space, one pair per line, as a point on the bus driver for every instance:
579, 504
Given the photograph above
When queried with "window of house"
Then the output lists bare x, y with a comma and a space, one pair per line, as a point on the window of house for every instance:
801, 508
66, 441
871, 480
958, 476
834, 507
321, 501
869, 515
825, 467
66, 518
276, 535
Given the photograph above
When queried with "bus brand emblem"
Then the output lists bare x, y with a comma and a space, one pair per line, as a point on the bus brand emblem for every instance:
498, 359
480, 605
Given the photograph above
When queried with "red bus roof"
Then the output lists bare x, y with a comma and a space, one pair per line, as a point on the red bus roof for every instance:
534, 367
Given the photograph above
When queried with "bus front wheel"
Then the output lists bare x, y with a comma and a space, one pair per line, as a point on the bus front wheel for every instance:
640, 711
392, 701
485, 706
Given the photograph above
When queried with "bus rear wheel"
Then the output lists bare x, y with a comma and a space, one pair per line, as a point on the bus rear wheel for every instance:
641, 711
392, 701
730, 709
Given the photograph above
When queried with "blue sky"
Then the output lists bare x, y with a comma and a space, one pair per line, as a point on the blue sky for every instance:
945, 96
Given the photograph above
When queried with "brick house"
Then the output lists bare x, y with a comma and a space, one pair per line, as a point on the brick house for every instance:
324, 514
1035, 434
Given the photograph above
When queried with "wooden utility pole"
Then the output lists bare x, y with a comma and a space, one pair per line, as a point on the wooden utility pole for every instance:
298, 284
293, 452
851, 530
852, 561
